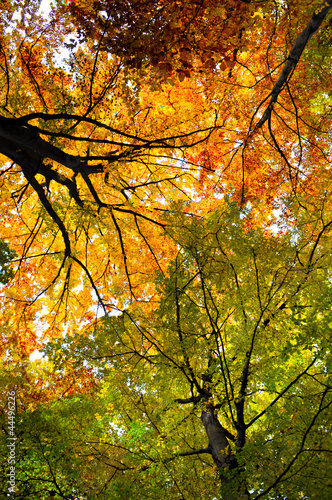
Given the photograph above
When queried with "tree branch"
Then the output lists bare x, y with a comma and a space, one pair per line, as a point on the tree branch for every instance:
281, 394
301, 449
294, 57
195, 452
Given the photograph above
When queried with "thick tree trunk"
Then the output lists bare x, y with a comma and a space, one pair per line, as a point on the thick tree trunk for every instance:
223, 457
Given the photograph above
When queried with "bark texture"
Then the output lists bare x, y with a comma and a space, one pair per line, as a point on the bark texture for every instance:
222, 455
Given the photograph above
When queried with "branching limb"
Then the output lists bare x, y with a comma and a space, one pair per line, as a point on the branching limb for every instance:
281, 394
294, 57
321, 408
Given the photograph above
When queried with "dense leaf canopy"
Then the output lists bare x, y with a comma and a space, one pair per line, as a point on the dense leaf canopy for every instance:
165, 251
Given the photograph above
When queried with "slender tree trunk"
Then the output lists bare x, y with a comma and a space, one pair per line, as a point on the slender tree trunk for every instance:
223, 457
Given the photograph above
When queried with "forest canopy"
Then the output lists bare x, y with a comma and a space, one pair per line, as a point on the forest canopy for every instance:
165, 249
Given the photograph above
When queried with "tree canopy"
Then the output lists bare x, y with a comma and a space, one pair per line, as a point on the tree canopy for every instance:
165, 255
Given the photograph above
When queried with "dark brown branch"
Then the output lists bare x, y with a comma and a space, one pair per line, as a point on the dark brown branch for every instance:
162, 142
91, 281
48, 207
66, 116
32, 77
301, 449
124, 255
193, 399
135, 214
281, 394
6, 71
294, 57
148, 245
15, 137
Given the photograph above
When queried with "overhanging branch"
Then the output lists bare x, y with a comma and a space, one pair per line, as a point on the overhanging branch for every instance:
294, 57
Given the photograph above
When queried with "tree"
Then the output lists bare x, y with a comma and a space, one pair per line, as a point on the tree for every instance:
145, 183
233, 365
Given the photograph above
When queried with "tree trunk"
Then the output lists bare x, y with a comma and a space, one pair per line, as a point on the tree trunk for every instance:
223, 457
